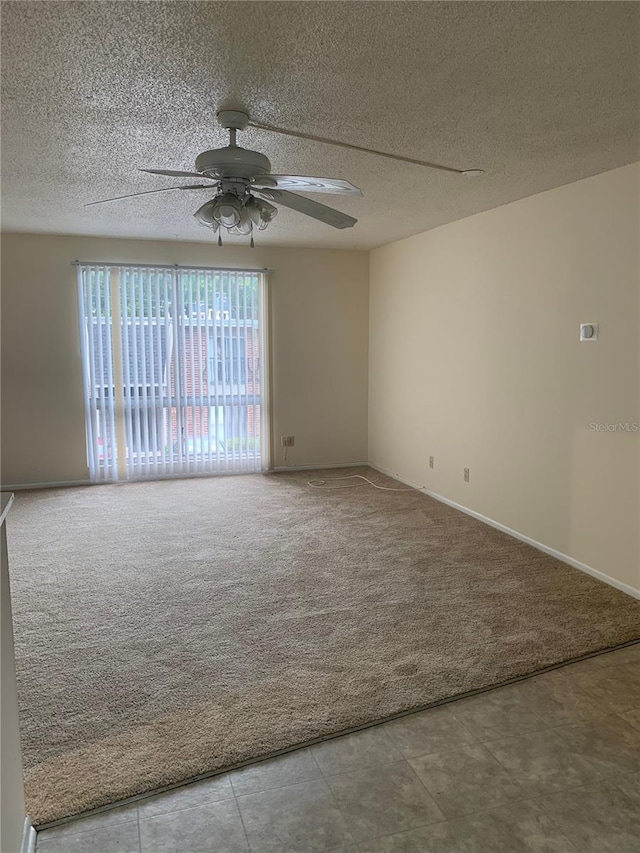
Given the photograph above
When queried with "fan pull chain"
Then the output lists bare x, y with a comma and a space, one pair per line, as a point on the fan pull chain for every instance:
219, 238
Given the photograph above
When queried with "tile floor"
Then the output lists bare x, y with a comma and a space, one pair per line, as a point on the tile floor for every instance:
550, 764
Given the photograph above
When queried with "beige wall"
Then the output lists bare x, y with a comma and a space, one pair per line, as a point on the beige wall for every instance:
475, 359
319, 313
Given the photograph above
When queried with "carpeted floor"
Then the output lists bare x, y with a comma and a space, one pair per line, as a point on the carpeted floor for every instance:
165, 630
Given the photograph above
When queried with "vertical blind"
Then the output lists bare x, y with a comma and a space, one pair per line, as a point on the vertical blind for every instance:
173, 369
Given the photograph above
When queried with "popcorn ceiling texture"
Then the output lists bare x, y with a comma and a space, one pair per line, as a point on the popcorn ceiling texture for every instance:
171, 629
537, 94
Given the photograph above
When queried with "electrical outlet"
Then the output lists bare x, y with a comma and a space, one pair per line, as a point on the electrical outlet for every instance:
466, 475
287, 441
431, 462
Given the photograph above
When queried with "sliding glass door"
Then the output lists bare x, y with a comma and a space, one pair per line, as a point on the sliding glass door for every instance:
174, 371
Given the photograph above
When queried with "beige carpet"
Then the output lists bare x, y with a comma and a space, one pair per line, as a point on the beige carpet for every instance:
165, 630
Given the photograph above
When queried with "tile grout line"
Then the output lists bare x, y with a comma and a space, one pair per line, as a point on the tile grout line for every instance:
382, 766
333, 797
139, 831
380, 731
320, 778
527, 795
554, 820
242, 824
556, 824
423, 784
336, 802
547, 730
358, 768
187, 808
117, 825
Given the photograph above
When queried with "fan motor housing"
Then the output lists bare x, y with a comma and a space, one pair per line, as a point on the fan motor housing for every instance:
232, 162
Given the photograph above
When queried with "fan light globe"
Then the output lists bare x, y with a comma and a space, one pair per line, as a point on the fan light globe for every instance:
261, 212
205, 215
244, 225
227, 210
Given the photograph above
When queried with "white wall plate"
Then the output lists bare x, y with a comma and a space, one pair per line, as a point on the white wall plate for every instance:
588, 331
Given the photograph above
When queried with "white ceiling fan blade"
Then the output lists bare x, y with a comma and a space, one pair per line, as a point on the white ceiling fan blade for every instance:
332, 217
173, 173
259, 125
305, 184
148, 192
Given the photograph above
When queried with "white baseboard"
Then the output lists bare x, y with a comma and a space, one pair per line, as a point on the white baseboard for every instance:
28, 838
20, 487
321, 467
565, 558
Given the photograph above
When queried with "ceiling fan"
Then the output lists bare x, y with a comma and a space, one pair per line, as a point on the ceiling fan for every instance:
245, 190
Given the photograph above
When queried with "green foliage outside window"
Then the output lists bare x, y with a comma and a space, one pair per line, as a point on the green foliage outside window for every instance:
150, 294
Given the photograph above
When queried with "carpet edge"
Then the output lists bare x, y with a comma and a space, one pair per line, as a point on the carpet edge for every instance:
40, 827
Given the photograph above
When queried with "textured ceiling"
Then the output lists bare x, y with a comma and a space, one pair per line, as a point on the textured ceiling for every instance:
537, 94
